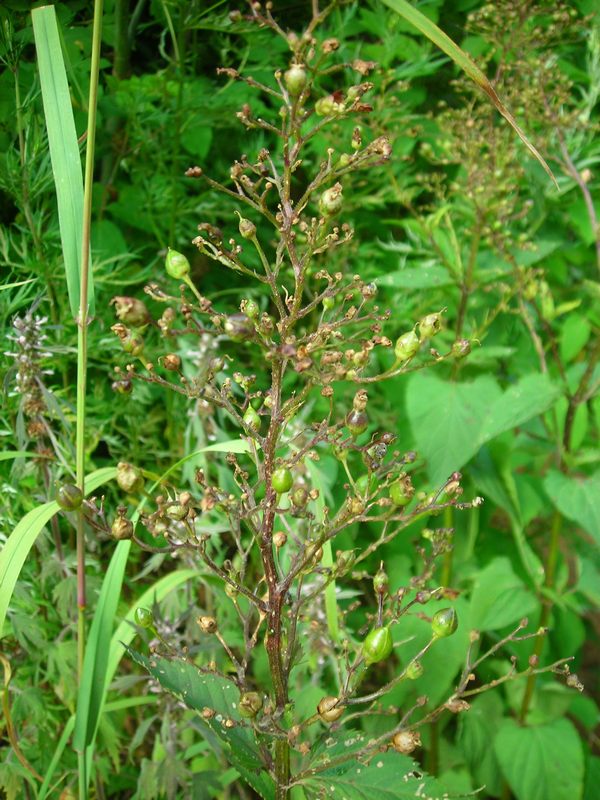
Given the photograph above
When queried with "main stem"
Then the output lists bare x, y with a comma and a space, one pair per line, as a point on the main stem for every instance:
273, 638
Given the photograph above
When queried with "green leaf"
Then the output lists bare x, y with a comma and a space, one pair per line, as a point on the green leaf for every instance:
461, 59
451, 421
541, 762
446, 419
387, 776
7, 455
64, 148
476, 730
200, 689
499, 597
531, 396
93, 678
577, 499
23, 538
428, 276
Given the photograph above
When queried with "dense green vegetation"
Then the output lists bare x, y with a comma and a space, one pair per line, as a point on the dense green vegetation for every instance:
341, 447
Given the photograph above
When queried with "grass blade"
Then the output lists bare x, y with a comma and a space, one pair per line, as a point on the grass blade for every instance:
23, 538
463, 60
64, 148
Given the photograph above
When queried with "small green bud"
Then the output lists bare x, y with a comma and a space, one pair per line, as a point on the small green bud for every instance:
247, 228
69, 497
132, 344
444, 623
250, 308
143, 617
328, 303
250, 704
177, 265
366, 485
407, 346
381, 581
461, 348
295, 79
430, 325
326, 106
300, 497
378, 645
414, 670
331, 201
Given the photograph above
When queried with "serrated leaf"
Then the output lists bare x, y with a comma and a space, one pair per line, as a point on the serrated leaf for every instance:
499, 597
578, 499
530, 396
446, 419
388, 776
476, 730
203, 689
541, 762
451, 421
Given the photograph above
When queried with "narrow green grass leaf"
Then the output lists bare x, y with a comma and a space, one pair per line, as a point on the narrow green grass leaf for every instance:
7, 455
23, 537
93, 678
64, 148
45, 788
463, 60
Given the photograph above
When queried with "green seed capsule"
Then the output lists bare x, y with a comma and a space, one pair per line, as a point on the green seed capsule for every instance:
69, 497
295, 79
444, 623
281, 480
329, 709
402, 490
378, 645
380, 581
177, 265
357, 422
143, 617
430, 325
407, 346
252, 419
331, 201
129, 478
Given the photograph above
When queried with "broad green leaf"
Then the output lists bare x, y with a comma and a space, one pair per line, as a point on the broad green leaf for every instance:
496, 483
200, 689
64, 148
451, 421
541, 762
428, 276
446, 419
499, 597
22, 539
475, 732
387, 776
531, 396
578, 499
461, 59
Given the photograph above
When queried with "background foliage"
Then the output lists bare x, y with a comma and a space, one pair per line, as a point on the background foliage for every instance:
462, 219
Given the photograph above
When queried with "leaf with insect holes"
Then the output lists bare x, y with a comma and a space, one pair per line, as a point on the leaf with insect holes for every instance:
200, 689
338, 773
